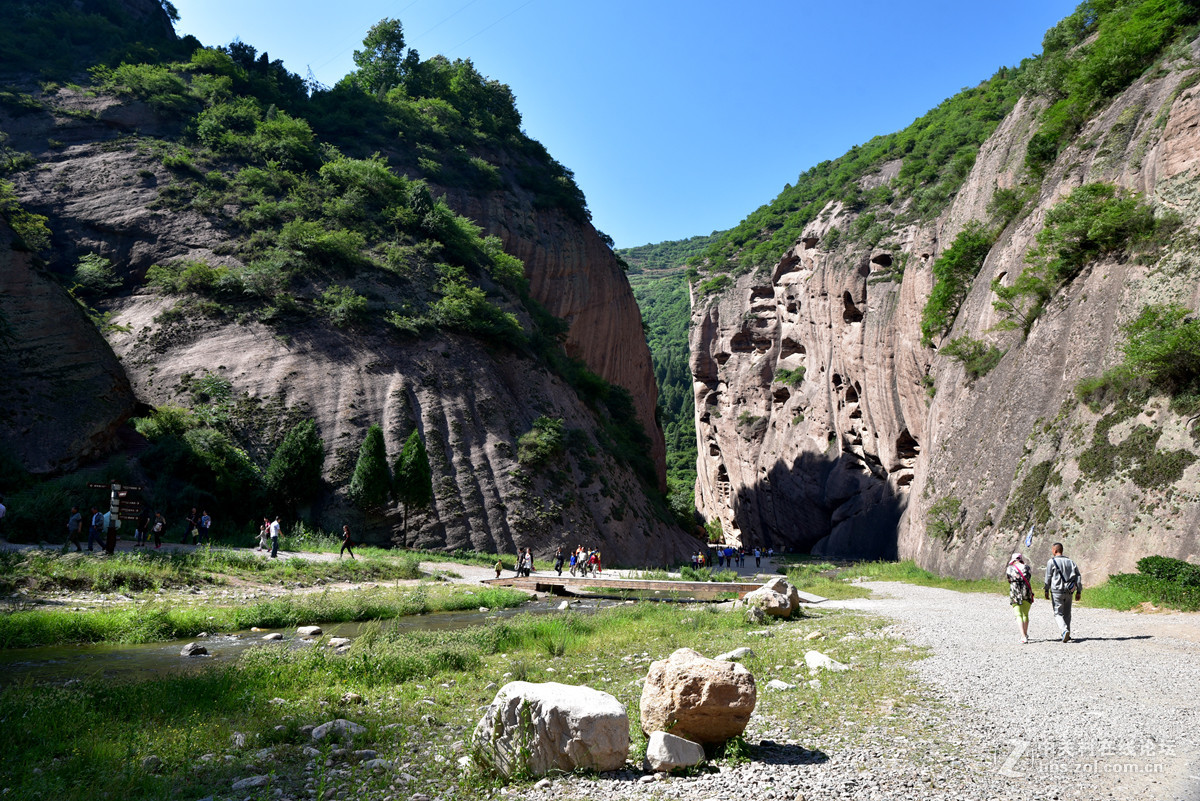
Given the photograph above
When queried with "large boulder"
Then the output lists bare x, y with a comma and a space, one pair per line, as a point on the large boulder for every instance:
667, 752
535, 728
770, 602
697, 698
784, 587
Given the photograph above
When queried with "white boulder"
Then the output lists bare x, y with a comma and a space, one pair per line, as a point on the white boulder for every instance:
552, 726
818, 661
667, 752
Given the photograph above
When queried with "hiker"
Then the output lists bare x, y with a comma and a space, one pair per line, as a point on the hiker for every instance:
203, 525
757, 556
559, 558
275, 534
141, 529
96, 529
574, 558
528, 563
1062, 580
110, 534
1020, 592
160, 527
75, 528
190, 528
346, 543
499, 567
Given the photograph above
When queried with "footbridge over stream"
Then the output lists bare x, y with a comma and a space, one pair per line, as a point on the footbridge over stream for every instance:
605, 585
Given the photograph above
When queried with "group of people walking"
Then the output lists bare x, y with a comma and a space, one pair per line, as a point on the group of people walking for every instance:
584, 560
1063, 584
102, 529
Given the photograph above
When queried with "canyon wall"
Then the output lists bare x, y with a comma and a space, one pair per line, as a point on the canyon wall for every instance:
883, 435
101, 187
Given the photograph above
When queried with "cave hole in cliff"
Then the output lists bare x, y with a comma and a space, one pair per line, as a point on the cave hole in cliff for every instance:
905, 480
723, 488
790, 347
881, 261
721, 358
741, 343
906, 446
809, 242
850, 312
793, 307
836, 380
856, 414
713, 449
781, 394
762, 293
851, 394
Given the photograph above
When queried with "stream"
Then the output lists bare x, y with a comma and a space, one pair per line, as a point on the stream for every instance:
62, 664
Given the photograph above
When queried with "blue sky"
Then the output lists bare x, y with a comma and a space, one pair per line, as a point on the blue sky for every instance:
678, 118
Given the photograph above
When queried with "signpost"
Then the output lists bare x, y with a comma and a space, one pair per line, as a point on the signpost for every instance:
121, 505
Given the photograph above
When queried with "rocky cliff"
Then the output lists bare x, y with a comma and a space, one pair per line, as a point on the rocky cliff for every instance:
882, 437
64, 393
101, 179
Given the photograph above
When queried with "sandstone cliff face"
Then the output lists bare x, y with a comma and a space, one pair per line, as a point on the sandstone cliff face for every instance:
64, 394
470, 402
850, 461
577, 278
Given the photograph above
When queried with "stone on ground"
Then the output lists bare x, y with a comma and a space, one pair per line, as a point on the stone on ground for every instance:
273, 636
736, 655
818, 661
309, 631
697, 698
340, 727
784, 587
193, 649
250, 783
774, 604
667, 752
338, 642
552, 726
776, 684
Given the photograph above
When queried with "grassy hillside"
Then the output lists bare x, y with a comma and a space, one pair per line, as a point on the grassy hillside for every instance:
327, 197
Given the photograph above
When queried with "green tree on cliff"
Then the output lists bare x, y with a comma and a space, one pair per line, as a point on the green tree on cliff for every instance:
294, 475
372, 481
380, 62
412, 478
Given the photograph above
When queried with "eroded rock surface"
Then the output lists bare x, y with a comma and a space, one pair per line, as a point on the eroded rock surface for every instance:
697, 698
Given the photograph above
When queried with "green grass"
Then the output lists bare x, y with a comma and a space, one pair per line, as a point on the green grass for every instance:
161, 621
823, 578
149, 570
88, 739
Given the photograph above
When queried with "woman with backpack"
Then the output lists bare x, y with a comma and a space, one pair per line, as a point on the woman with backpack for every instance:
1020, 592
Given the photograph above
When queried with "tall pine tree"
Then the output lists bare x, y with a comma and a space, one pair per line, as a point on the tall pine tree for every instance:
372, 481
413, 478
294, 475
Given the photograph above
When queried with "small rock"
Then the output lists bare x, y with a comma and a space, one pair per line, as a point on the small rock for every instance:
815, 684
666, 752
341, 727
151, 763
564, 606
338, 642
776, 684
818, 661
309, 631
193, 649
544, 784
736, 655
484, 609
377, 764
273, 636
352, 698
250, 783
814, 635
237, 740
202, 635
647, 779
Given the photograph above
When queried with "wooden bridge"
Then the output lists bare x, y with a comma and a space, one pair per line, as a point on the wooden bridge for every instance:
598, 585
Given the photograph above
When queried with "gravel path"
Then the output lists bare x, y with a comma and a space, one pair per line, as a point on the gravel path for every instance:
1115, 715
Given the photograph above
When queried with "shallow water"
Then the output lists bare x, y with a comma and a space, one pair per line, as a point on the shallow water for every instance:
61, 664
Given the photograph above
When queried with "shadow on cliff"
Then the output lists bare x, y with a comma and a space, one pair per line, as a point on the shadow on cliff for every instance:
826, 505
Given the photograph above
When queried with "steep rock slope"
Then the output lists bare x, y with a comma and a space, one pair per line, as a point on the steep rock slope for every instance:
106, 170
64, 393
854, 458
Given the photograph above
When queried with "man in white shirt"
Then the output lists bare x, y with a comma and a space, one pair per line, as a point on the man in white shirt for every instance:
275, 533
